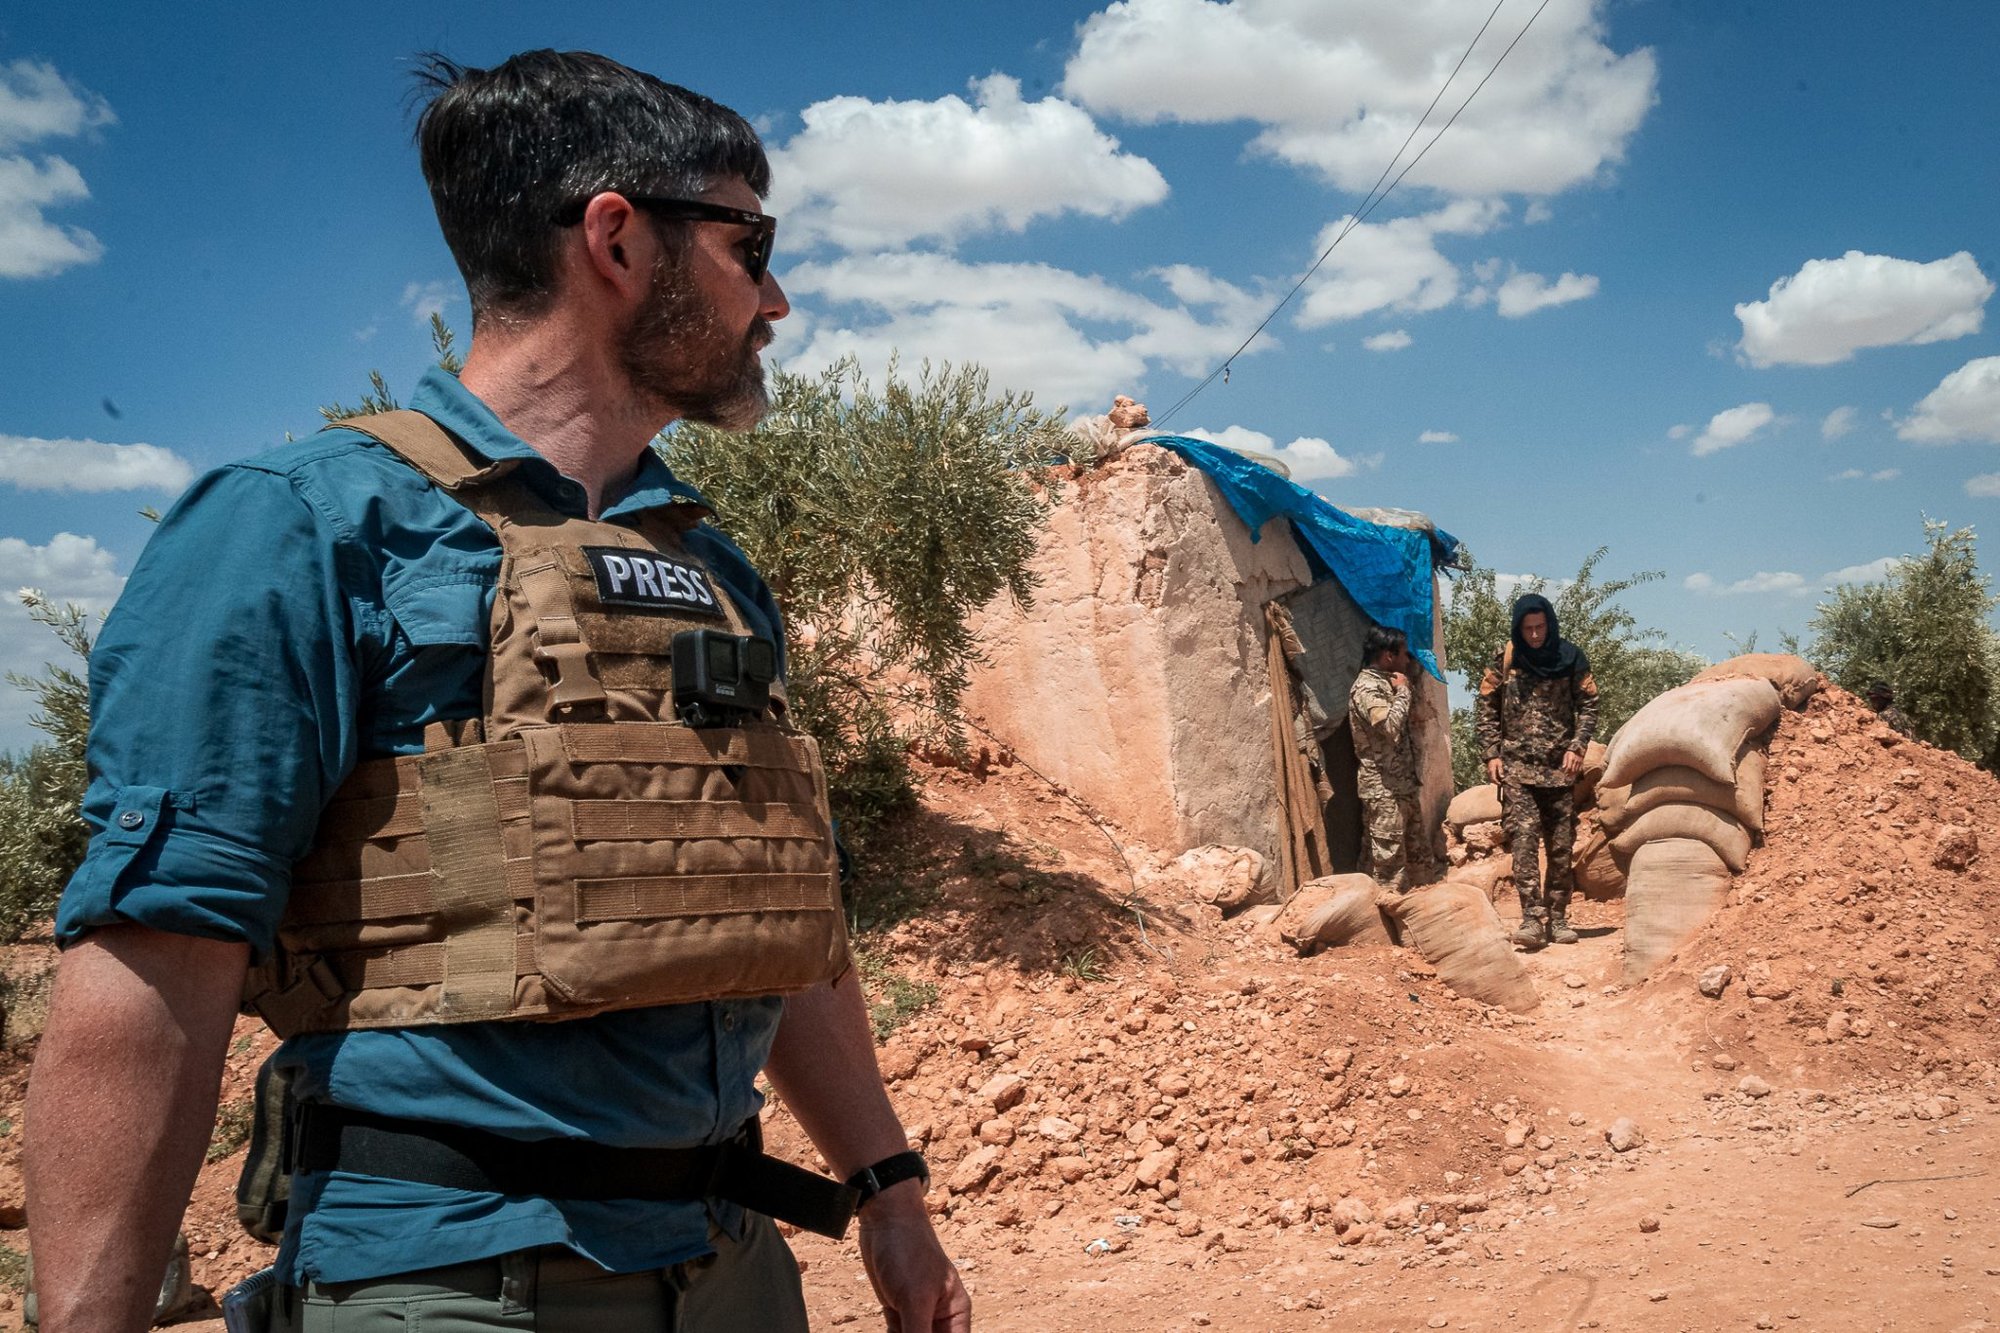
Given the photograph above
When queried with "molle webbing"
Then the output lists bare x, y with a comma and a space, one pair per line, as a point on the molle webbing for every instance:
503, 885
576, 848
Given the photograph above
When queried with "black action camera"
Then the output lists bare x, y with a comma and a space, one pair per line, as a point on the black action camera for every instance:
722, 679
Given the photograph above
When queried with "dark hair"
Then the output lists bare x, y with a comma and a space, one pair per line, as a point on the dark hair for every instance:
1379, 640
504, 149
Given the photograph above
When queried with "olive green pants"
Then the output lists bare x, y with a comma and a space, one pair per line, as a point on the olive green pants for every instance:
747, 1284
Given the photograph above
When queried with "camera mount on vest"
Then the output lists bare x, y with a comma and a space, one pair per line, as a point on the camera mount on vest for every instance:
722, 679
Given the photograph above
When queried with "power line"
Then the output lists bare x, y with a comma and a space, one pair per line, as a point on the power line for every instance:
1373, 200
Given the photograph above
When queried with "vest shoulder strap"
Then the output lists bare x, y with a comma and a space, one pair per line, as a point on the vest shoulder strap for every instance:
1507, 657
427, 447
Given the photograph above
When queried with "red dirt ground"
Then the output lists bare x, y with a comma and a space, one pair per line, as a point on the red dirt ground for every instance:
1142, 1116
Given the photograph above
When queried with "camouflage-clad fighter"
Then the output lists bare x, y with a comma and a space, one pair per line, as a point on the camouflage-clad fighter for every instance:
1378, 714
1883, 700
1537, 711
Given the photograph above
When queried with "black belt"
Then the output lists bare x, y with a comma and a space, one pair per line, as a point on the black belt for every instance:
333, 1138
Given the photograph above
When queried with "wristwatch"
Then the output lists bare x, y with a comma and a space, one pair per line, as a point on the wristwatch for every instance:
893, 1170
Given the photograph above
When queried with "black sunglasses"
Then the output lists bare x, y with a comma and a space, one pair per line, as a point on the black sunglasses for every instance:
764, 227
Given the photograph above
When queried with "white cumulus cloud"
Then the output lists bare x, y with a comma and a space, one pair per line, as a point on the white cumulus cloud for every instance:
866, 175
1858, 474
37, 103
1873, 571
1964, 406
33, 464
1308, 458
1525, 293
1394, 265
1731, 427
1785, 583
1985, 486
424, 299
1064, 336
1437, 437
1781, 582
1336, 89
1832, 308
1395, 340
1838, 422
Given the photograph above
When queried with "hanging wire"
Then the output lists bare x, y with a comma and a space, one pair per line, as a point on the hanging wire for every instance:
1373, 200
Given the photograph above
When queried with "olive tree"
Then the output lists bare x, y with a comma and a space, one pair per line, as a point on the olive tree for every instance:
42, 833
883, 521
1927, 631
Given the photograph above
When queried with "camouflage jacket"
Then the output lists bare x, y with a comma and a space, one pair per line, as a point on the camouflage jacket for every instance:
1893, 715
1527, 721
1378, 715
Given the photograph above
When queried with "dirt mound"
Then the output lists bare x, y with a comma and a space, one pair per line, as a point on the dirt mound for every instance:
1861, 935
1142, 1113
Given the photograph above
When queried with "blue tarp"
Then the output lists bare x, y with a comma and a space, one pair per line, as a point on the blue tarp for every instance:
1387, 571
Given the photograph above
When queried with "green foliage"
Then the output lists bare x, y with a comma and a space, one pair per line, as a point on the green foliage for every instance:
1084, 965
378, 398
13, 1269
42, 835
233, 1122
882, 522
1631, 663
1926, 631
894, 998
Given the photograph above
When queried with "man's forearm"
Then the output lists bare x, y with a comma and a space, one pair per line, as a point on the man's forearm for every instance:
120, 1108
823, 1065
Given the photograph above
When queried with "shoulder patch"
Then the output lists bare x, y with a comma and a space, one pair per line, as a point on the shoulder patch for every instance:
650, 581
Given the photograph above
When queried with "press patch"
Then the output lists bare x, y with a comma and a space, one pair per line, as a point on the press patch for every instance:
626, 577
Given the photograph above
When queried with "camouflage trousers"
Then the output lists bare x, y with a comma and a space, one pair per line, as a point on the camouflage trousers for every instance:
1541, 819
1400, 856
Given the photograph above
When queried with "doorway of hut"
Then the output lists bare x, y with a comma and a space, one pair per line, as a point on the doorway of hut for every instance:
1330, 628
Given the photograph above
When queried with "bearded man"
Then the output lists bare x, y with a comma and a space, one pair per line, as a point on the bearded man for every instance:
463, 727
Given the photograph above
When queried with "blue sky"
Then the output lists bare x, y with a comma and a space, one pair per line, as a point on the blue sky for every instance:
1704, 282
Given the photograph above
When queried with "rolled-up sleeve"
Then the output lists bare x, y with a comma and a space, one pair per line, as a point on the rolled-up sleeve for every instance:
223, 691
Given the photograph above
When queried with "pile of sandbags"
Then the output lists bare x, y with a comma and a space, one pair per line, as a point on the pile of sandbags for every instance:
1682, 795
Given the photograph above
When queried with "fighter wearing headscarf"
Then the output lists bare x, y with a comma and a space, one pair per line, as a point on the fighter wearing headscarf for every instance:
1537, 711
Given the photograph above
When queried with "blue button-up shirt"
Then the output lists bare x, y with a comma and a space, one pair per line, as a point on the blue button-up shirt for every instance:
295, 614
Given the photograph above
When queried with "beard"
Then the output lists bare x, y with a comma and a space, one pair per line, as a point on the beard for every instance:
685, 363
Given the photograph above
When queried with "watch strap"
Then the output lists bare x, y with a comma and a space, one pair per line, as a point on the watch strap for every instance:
870, 1181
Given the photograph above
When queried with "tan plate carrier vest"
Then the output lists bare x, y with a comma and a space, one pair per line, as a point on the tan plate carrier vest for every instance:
578, 849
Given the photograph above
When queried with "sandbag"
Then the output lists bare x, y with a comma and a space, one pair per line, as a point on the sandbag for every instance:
1750, 768
1230, 877
1474, 805
1702, 727
1677, 785
1493, 877
1720, 831
1793, 677
1584, 790
1597, 873
1457, 931
1611, 807
1671, 888
1339, 909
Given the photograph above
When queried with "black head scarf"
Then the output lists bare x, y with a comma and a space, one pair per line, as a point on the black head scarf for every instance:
1557, 656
